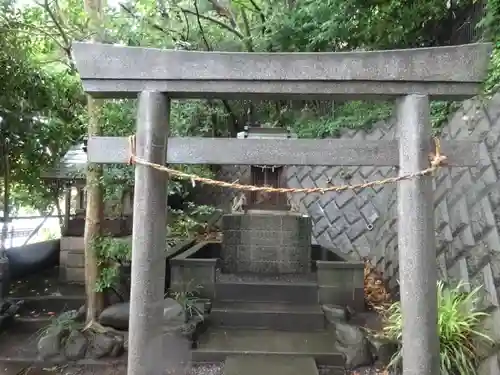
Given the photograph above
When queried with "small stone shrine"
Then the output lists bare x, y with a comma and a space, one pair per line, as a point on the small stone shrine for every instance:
263, 234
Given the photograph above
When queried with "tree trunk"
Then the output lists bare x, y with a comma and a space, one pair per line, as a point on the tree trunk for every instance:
6, 197
95, 204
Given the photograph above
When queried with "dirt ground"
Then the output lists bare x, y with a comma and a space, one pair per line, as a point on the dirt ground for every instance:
45, 283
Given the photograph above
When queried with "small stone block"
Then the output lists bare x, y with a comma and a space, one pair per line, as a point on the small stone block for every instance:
231, 237
340, 296
231, 222
335, 277
75, 275
264, 364
75, 259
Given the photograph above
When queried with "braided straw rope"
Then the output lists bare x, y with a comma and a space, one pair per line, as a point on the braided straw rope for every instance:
436, 161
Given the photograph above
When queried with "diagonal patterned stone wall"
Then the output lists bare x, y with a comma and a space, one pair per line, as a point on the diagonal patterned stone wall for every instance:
345, 221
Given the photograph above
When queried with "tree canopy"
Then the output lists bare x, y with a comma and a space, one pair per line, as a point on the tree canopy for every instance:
42, 106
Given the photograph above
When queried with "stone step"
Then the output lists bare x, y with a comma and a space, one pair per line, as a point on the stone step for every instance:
34, 325
267, 289
268, 315
263, 364
217, 344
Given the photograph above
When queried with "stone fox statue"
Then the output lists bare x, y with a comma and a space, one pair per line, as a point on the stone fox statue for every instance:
262, 196
239, 202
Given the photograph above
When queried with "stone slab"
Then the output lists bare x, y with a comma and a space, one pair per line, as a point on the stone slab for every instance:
268, 341
274, 90
220, 343
465, 63
328, 152
262, 291
276, 365
118, 71
268, 315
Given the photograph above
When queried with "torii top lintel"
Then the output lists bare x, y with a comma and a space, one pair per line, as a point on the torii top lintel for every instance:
445, 73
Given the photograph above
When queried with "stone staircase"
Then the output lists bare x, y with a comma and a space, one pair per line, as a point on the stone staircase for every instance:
271, 323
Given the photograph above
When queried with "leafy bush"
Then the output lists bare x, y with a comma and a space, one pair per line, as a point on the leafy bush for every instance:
459, 319
189, 299
114, 253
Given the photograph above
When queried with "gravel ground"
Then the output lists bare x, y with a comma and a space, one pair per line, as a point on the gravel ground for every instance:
325, 370
112, 370
206, 370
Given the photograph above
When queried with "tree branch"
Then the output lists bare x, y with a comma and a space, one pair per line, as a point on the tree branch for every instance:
224, 12
67, 42
248, 38
257, 8
202, 32
188, 29
226, 105
216, 21
25, 28
155, 26
261, 15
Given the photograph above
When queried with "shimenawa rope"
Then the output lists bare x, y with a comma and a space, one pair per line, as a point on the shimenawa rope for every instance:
436, 161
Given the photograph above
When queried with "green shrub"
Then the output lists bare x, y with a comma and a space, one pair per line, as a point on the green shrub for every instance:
459, 324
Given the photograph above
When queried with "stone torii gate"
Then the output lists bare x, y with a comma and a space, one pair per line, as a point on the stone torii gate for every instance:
413, 77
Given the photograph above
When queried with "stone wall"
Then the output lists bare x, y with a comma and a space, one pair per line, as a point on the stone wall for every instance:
72, 260
364, 223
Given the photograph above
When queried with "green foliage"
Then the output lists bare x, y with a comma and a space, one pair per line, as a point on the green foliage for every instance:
189, 299
190, 221
492, 83
459, 326
344, 25
40, 109
357, 115
440, 113
351, 115
62, 323
113, 253
491, 26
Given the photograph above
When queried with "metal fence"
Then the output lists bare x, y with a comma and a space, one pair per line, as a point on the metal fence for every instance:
466, 24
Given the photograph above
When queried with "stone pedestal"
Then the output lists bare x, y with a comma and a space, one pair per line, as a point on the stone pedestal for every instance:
266, 242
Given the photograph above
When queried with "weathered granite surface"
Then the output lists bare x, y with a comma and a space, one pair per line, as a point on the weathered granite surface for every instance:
443, 72
266, 243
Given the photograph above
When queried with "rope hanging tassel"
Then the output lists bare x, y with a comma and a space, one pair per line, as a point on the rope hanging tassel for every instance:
132, 147
437, 160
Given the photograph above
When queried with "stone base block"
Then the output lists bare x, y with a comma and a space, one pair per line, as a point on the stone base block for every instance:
270, 242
